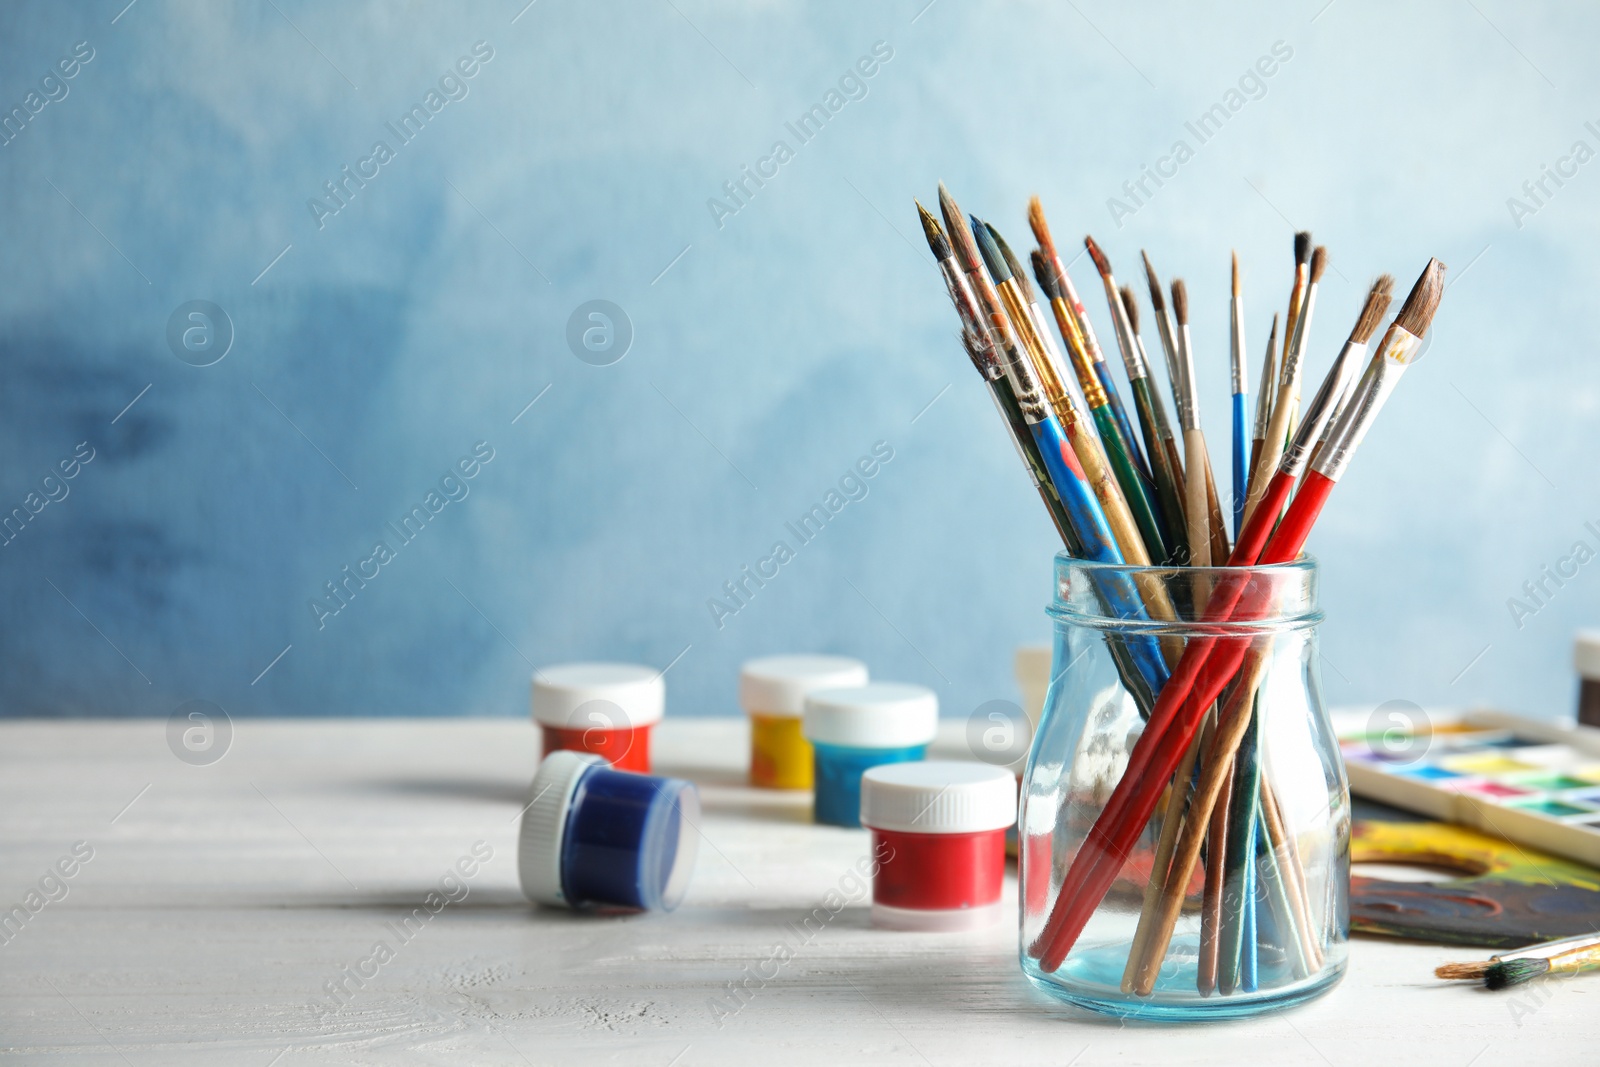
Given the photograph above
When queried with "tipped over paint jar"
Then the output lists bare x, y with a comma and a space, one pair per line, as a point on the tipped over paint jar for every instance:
772, 691
939, 833
595, 837
854, 729
604, 708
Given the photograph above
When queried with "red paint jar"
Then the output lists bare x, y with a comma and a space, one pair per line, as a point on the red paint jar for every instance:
603, 708
939, 833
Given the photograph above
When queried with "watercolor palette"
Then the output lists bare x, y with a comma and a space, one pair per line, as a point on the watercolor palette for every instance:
1531, 782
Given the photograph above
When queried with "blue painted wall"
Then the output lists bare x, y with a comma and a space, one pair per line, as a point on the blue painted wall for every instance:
374, 346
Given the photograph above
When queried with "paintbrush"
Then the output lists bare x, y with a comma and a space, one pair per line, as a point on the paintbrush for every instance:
1196, 681
1122, 465
1378, 298
1341, 377
1269, 374
1543, 950
1241, 389
1506, 973
1069, 292
1131, 358
1288, 383
1203, 512
987, 358
1159, 442
1165, 330
1041, 323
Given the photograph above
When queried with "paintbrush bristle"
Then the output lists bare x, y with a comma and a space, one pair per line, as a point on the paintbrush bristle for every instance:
1319, 263
1130, 304
1235, 275
998, 270
1101, 264
1011, 262
1047, 277
1041, 229
930, 229
955, 225
1418, 310
1302, 247
1180, 301
1156, 298
1505, 973
1379, 298
976, 348
1460, 971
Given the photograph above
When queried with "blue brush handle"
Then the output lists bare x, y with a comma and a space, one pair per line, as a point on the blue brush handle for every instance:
1241, 462
1124, 427
1089, 520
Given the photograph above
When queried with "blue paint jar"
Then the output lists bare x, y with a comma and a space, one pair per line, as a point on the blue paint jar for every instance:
594, 836
857, 728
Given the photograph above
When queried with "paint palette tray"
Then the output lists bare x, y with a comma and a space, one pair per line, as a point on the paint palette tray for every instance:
1531, 782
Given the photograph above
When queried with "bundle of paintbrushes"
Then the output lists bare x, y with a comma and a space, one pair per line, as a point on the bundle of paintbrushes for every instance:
1145, 502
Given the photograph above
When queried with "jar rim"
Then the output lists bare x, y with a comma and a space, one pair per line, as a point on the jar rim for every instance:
1292, 587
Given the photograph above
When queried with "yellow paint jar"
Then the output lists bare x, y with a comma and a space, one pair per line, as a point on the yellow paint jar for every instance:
772, 691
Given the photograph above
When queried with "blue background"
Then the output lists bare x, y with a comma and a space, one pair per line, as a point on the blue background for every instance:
770, 352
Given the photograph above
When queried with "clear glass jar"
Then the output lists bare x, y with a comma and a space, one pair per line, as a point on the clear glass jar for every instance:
1233, 898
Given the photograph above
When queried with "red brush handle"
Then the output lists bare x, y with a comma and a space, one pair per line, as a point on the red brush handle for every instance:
1203, 671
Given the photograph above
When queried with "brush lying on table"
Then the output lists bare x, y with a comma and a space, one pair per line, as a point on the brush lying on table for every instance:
1160, 504
1570, 955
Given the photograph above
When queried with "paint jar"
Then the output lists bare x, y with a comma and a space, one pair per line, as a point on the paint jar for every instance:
856, 728
604, 708
1217, 883
772, 691
595, 837
1586, 658
939, 834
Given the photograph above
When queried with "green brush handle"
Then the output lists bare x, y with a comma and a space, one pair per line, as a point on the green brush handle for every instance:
1166, 479
1133, 490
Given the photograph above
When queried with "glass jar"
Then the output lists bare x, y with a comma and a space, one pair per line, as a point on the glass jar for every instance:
1217, 883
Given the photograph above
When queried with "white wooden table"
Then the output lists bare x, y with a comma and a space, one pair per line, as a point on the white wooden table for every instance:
222, 900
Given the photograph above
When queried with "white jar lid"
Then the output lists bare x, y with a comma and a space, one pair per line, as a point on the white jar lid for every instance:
777, 685
564, 696
544, 822
1586, 654
876, 715
938, 797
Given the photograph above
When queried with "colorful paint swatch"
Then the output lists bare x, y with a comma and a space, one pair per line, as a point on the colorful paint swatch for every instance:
1487, 763
1590, 773
1429, 773
1556, 809
1548, 783
1556, 757
1494, 790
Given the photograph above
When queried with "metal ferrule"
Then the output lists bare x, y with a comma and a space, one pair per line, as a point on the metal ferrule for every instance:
1374, 387
1292, 360
1094, 394
1016, 442
1169, 348
1079, 315
988, 359
1049, 374
1318, 416
1189, 408
1163, 428
1132, 359
1241, 374
1264, 399
1348, 372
